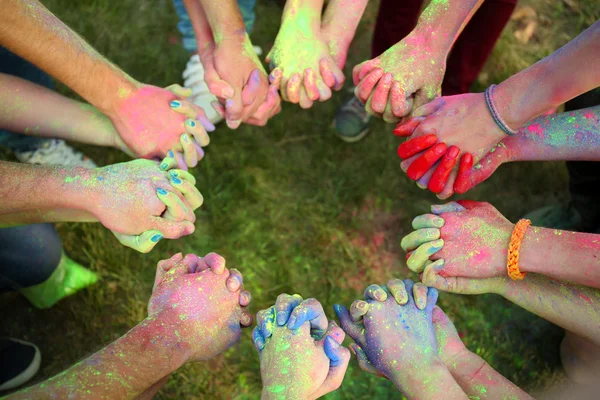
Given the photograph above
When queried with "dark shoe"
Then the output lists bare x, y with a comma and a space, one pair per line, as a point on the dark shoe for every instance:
19, 362
352, 121
563, 217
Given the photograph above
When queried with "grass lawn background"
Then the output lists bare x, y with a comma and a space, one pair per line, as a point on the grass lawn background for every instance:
295, 210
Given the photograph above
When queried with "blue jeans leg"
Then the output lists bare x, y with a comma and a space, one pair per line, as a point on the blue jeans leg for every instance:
12, 64
29, 254
187, 31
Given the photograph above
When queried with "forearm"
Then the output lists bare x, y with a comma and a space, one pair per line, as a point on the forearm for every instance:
479, 380
124, 369
340, 20
223, 16
303, 15
563, 255
35, 110
28, 29
441, 22
563, 75
572, 307
438, 383
31, 194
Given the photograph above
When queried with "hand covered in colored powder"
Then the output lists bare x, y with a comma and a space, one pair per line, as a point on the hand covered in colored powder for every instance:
464, 239
151, 121
135, 197
202, 300
235, 75
394, 336
405, 77
463, 123
302, 65
301, 356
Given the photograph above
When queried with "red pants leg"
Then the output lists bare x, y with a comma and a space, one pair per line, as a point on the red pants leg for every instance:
395, 20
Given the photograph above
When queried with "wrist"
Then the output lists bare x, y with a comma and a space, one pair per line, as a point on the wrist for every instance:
159, 334
115, 93
416, 382
530, 254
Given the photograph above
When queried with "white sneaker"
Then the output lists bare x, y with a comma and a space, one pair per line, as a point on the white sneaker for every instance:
193, 78
56, 152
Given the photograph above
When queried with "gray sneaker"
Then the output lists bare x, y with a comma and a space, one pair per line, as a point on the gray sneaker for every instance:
352, 121
56, 152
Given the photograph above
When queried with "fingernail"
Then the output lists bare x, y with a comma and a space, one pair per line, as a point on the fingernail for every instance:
436, 245
281, 318
438, 222
164, 166
161, 191
245, 320
295, 79
361, 304
176, 181
260, 343
186, 138
190, 122
228, 103
352, 349
337, 308
175, 104
421, 303
438, 265
256, 76
171, 154
209, 126
332, 342
227, 92
173, 174
233, 124
291, 322
156, 238
421, 186
380, 295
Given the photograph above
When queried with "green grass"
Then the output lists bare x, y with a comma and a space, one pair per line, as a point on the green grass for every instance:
295, 209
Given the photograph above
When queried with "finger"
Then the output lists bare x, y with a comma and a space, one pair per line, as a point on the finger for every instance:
448, 190
464, 173
417, 260
398, 290
219, 108
418, 168
293, 88
358, 309
483, 170
176, 209
338, 76
216, 85
191, 194
427, 221
284, 306
416, 238
432, 297
420, 295
235, 280
163, 267
408, 284
429, 275
258, 339
339, 357
305, 102
190, 155
363, 69
363, 361
428, 109
327, 73
265, 321
197, 131
251, 88
463, 285
324, 91
179, 90
172, 229
246, 319
424, 96
310, 84
379, 98
142, 243
448, 207
214, 261
310, 310
416, 145
169, 161
275, 78
191, 260
375, 292
233, 110
245, 298
423, 181
442, 172
186, 108
366, 86
388, 115
352, 329
399, 104
408, 127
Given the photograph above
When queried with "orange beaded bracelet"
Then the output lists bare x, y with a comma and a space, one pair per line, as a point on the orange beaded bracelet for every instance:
512, 259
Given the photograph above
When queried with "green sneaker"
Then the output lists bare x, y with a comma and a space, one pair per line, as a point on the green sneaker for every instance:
352, 121
563, 217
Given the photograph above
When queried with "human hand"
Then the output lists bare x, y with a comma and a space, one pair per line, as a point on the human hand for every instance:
151, 121
301, 356
201, 299
303, 68
235, 75
463, 123
134, 197
464, 239
395, 337
403, 78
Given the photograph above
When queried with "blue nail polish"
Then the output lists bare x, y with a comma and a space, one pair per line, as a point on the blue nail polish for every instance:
164, 166
338, 309
156, 238
291, 322
171, 154
185, 137
190, 122
175, 104
161, 191
176, 181
173, 174
228, 103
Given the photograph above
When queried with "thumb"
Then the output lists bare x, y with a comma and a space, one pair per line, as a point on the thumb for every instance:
471, 204
459, 285
179, 90
363, 361
216, 85
142, 243
339, 357
487, 166
173, 229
